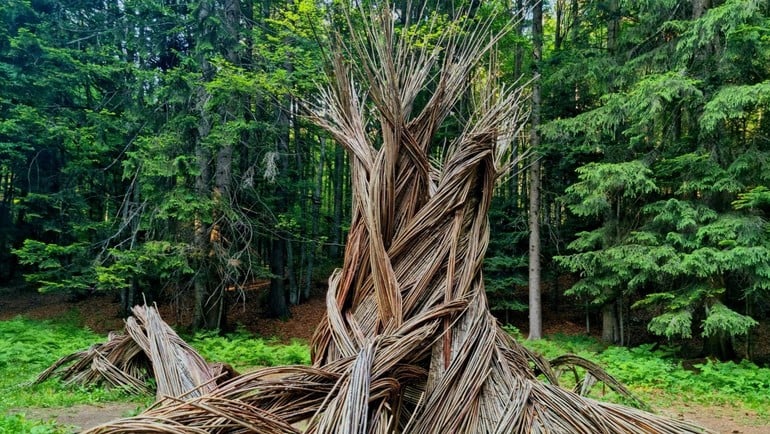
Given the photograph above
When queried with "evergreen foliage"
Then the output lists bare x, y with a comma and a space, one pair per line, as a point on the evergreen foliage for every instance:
147, 159
690, 244
158, 149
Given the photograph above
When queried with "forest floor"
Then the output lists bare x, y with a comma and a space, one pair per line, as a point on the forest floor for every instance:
100, 314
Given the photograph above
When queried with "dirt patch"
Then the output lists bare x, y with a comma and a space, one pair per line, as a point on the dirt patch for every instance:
301, 325
98, 312
723, 420
82, 417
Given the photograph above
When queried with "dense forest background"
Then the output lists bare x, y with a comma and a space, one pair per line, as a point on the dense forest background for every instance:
158, 149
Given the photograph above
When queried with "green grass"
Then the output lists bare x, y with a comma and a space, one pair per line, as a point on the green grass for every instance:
658, 377
27, 348
18, 423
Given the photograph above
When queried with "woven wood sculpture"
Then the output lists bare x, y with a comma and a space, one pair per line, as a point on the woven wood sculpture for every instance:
408, 344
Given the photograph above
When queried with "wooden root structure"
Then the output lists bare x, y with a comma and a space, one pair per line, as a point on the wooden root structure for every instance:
149, 349
408, 344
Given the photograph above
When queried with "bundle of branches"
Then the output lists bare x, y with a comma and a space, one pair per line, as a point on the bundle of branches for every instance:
408, 343
149, 349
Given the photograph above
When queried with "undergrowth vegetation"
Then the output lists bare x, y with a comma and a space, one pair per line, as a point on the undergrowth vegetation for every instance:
27, 348
658, 377
243, 351
18, 423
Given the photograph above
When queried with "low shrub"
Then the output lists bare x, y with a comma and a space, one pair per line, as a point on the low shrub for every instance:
242, 350
18, 424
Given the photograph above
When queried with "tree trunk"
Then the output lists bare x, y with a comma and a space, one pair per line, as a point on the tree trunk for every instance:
214, 306
719, 345
130, 216
201, 235
337, 181
201, 246
699, 7
213, 242
559, 29
519, 50
7, 225
613, 26
621, 321
516, 182
294, 267
291, 272
276, 299
277, 306
610, 328
575, 25
315, 215
535, 305
213, 302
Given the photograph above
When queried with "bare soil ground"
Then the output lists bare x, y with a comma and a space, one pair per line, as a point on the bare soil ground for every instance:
723, 420
82, 417
100, 313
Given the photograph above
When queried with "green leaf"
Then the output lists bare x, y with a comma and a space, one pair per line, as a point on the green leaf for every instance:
721, 319
672, 324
